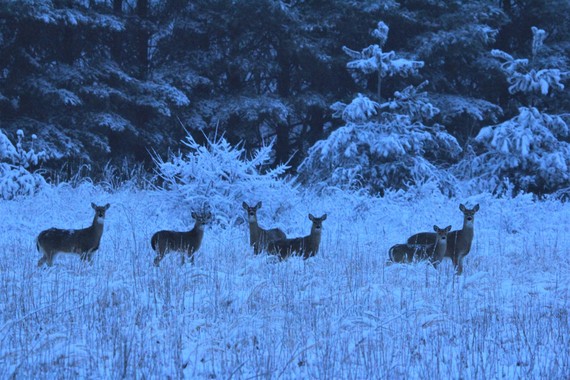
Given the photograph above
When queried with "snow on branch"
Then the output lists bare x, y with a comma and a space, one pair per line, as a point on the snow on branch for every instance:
359, 110
413, 102
533, 80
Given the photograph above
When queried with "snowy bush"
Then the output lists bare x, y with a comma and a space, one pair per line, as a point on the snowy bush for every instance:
382, 145
15, 164
219, 176
530, 151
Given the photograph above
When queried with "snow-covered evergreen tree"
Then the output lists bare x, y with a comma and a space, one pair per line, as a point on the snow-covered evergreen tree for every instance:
382, 145
530, 150
16, 167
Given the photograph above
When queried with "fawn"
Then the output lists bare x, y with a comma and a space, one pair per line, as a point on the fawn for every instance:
435, 252
258, 237
306, 246
185, 242
83, 242
459, 241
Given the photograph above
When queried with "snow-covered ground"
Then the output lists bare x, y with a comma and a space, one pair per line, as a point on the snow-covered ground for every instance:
341, 314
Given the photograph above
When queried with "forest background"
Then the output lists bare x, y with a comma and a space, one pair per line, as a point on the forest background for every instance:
96, 87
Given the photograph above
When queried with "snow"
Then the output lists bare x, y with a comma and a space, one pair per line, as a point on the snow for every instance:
340, 314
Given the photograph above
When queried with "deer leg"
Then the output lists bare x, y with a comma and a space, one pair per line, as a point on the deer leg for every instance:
459, 266
158, 258
454, 260
49, 258
42, 261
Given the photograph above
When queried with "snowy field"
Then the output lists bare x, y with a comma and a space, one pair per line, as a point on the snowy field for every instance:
342, 314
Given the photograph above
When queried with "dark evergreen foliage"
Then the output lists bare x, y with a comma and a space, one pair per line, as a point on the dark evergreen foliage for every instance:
102, 81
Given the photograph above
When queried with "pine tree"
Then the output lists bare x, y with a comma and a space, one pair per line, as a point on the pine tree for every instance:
382, 145
66, 76
529, 151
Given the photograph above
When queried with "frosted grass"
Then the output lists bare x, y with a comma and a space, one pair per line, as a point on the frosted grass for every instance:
342, 314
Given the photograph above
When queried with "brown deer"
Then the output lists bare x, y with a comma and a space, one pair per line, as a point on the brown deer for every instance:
185, 242
83, 242
306, 246
258, 237
459, 241
435, 252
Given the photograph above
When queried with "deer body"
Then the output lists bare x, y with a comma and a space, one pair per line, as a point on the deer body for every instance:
185, 242
435, 252
459, 241
83, 242
260, 238
306, 246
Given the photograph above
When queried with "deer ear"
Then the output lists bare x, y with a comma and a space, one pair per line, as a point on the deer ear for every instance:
311, 217
258, 205
194, 215
448, 228
107, 206
476, 208
435, 228
244, 205
324, 217
462, 207
93, 206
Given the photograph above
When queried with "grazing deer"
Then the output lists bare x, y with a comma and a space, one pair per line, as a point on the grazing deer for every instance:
435, 252
258, 237
81, 242
459, 241
307, 246
185, 242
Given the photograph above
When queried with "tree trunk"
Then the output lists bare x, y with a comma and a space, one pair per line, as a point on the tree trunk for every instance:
282, 143
284, 91
143, 39
116, 38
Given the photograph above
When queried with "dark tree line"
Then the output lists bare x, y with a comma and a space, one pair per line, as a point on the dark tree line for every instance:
108, 81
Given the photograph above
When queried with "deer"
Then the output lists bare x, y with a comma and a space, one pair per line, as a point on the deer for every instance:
187, 243
459, 241
435, 252
306, 246
259, 238
83, 242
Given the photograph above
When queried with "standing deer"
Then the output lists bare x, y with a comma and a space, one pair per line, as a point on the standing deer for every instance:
459, 241
306, 246
185, 242
82, 242
258, 237
435, 252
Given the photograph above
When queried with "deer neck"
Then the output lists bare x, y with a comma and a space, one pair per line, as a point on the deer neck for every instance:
440, 248
254, 230
198, 232
315, 239
97, 226
466, 234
